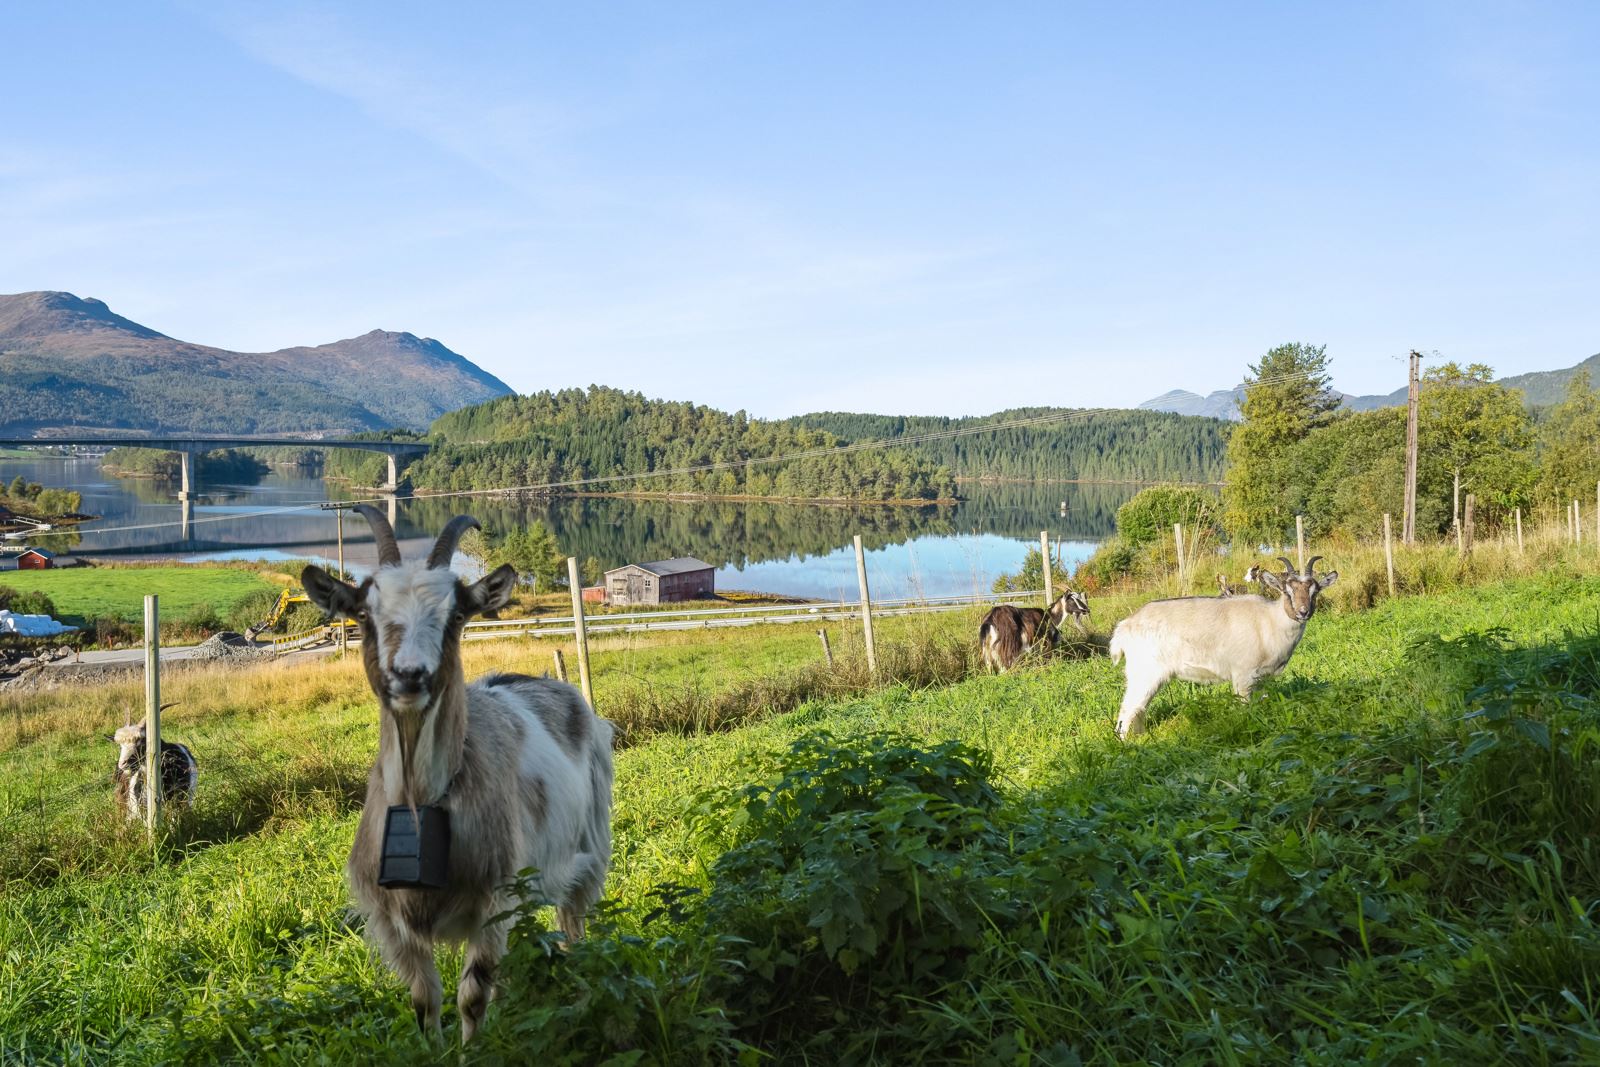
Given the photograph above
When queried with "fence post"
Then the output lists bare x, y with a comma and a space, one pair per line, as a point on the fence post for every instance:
1577, 522
1519, 531
152, 711
344, 639
827, 651
1177, 538
1467, 526
1300, 542
561, 666
580, 629
1388, 550
866, 607
1044, 559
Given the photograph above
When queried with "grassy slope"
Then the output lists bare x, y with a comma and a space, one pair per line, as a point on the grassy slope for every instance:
244, 937
83, 594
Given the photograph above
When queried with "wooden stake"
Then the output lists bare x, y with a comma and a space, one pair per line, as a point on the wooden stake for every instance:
561, 666
1577, 522
1467, 527
152, 712
1388, 549
1049, 575
580, 629
1177, 537
866, 607
338, 514
827, 652
1519, 531
1300, 542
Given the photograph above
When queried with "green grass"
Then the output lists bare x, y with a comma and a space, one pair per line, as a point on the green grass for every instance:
1348, 867
82, 594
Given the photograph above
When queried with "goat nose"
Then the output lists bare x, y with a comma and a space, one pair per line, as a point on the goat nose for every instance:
409, 679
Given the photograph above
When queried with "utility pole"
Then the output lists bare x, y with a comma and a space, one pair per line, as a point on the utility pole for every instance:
1408, 530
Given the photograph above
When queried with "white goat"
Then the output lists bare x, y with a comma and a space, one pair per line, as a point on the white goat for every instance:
1237, 639
521, 765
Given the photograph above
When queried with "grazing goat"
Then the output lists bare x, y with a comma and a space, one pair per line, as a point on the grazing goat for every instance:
1007, 633
179, 772
1239, 639
521, 765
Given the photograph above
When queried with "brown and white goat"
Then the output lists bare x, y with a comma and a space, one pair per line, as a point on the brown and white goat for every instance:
522, 765
179, 772
1007, 633
1236, 639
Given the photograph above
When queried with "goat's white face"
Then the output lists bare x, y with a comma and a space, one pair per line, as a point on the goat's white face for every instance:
413, 610
130, 744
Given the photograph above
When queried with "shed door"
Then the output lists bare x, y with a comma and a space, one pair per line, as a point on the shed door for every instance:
636, 588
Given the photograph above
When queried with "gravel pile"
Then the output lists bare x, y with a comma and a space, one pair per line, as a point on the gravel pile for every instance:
228, 645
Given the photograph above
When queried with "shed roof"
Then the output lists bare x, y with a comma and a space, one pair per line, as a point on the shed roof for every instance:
46, 553
677, 565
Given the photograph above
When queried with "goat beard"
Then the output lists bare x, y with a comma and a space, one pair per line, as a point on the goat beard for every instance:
408, 728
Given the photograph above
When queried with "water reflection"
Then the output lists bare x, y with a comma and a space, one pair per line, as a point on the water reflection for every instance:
799, 549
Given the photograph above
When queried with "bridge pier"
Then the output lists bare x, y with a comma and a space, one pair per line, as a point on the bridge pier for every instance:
393, 481
187, 482
393, 505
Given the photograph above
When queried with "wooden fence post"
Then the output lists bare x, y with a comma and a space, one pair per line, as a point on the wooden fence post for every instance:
152, 712
866, 607
1044, 560
580, 629
827, 650
1519, 531
1467, 527
1300, 542
1177, 537
561, 666
1388, 550
1577, 522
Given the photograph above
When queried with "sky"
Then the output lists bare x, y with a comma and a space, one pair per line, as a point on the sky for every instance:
915, 208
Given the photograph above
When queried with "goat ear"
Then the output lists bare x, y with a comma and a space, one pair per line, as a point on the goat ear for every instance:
329, 593
493, 591
1327, 579
1272, 580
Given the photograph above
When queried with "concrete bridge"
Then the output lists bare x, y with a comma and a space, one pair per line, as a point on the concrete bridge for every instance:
189, 448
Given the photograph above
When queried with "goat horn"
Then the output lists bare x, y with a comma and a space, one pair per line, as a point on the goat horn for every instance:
1288, 568
1312, 562
383, 533
445, 547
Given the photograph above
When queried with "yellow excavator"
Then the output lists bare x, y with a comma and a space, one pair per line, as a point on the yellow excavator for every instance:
286, 600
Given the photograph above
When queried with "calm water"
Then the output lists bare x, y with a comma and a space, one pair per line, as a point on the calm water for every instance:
796, 549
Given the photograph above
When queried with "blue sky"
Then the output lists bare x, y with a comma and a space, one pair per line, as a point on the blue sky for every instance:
902, 207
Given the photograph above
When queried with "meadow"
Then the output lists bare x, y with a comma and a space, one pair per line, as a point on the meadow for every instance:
84, 594
1387, 855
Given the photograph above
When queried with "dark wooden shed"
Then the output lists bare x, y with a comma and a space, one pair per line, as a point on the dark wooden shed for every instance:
661, 582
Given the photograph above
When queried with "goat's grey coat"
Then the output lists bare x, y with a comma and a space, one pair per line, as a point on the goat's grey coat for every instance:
180, 774
522, 765
1233, 639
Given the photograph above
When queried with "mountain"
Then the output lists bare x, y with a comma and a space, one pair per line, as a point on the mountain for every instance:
1222, 404
67, 362
1541, 387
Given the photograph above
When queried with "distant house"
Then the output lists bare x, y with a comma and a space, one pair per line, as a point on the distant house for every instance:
35, 559
662, 582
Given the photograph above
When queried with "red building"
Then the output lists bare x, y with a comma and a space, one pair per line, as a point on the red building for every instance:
35, 559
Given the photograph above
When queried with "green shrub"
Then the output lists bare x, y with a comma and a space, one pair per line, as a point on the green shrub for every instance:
32, 602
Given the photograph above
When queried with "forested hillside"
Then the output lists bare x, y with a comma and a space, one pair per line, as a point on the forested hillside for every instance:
575, 434
1104, 446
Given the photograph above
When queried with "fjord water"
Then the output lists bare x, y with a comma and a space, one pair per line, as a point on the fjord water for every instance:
789, 548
